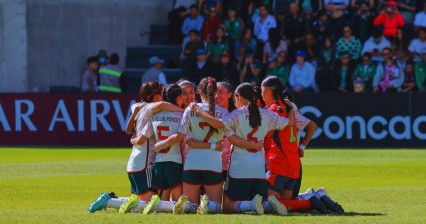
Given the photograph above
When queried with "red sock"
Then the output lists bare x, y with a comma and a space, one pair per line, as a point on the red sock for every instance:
297, 205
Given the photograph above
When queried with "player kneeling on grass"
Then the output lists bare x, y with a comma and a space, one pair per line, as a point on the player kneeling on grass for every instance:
246, 179
138, 166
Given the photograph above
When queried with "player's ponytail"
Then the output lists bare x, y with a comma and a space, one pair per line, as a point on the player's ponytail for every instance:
207, 88
149, 90
171, 93
288, 96
246, 91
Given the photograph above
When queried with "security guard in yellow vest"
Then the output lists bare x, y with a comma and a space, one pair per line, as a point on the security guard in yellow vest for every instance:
111, 76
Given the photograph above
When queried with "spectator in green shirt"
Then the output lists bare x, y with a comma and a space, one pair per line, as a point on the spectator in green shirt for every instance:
420, 73
279, 68
218, 45
364, 73
234, 25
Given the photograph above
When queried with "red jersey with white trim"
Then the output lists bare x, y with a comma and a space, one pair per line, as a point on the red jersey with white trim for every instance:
285, 162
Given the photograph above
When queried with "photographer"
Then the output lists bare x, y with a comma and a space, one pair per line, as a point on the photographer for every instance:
391, 20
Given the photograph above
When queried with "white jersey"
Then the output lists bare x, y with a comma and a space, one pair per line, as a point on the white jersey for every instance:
301, 121
196, 127
162, 126
142, 155
250, 163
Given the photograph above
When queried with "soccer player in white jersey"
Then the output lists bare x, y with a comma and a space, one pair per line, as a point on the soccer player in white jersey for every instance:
225, 98
246, 179
138, 167
168, 162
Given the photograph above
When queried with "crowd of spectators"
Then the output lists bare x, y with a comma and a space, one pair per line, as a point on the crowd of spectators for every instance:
329, 45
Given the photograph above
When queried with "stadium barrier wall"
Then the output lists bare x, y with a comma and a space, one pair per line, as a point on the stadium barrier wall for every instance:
344, 120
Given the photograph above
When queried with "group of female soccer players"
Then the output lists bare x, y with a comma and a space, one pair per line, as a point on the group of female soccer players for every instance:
183, 151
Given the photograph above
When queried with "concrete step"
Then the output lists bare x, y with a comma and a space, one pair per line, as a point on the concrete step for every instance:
138, 57
159, 34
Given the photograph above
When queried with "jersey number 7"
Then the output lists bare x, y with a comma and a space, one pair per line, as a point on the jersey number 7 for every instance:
202, 125
162, 137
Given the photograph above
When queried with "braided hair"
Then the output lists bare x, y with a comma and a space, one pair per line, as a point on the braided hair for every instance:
246, 91
207, 88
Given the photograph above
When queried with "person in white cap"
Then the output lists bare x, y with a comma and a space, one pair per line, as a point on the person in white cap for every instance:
155, 73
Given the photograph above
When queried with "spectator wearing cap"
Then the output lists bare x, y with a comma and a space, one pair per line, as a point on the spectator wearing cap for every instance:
226, 70
420, 73
194, 71
274, 46
418, 45
194, 44
262, 23
375, 45
302, 74
111, 77
218, 45
250, 69
341, 74
348, 43
280, 68
390, 19
420, 19
363, 22
90, 77
364, 73
155, 73
210, 25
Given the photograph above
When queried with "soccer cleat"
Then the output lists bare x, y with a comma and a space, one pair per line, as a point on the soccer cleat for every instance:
278, 207
309, 191
129, 204
203, 208
112, 194
99, 204
257, 205
328, 202
317, 205
152, 206
179, 207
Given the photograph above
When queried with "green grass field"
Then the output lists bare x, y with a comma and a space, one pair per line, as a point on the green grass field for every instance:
57, 185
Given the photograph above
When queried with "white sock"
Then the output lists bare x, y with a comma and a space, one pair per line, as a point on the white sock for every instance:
267, 206
165, 206
190, 207
139, 207
244, 206
116, 202
214, 207
305, 196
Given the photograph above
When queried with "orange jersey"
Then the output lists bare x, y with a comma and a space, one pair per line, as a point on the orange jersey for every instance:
285, 162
